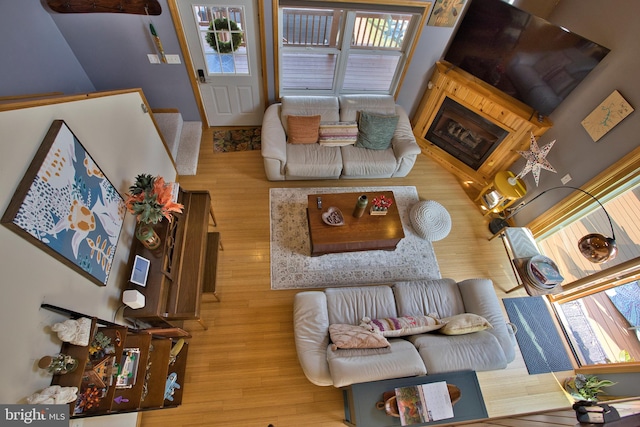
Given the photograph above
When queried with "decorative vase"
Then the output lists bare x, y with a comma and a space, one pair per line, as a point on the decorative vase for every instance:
148, 236
361, 205
58, 364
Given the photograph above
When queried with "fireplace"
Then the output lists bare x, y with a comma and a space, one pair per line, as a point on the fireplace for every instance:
464, 134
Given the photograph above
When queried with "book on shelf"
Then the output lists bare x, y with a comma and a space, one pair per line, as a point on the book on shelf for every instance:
424, 403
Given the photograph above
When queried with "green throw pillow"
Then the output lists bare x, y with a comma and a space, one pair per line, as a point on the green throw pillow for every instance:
375, 131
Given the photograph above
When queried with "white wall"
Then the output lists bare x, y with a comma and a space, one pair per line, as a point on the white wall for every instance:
124, 142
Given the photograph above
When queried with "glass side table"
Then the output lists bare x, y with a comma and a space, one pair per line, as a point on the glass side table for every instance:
521, 246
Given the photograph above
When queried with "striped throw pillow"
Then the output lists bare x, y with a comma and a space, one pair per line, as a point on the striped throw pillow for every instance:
402, 326
334, 134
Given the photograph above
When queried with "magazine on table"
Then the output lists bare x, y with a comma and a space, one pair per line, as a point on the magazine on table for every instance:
424, 403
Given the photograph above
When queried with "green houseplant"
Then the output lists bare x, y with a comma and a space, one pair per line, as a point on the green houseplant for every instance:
586, 387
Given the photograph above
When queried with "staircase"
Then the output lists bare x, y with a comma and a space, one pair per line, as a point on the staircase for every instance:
182, 138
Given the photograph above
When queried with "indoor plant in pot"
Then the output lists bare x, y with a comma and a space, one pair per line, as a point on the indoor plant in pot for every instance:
586, 387
150, 200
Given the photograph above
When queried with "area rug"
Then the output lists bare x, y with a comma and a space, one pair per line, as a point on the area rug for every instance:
229, 140
540, 344
292, 267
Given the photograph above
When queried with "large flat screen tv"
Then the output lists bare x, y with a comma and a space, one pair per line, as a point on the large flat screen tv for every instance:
521, 54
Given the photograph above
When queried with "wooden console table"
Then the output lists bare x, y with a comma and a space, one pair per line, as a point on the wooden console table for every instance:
183, 269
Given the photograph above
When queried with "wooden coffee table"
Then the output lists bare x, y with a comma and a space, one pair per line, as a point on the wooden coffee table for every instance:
367, 233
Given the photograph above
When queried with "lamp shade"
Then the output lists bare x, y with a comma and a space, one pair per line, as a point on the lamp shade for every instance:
598, 248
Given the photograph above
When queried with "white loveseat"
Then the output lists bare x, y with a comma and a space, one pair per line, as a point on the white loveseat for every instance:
285, 161
420, 354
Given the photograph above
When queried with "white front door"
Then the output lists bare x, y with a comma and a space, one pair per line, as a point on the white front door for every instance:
225, 53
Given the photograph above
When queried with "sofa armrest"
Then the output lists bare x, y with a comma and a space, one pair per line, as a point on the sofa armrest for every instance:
311, 333
273, 143
404, 144
480, 298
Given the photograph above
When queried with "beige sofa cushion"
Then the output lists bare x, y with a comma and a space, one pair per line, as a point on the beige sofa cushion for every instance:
362, 162
324, 106
439, 296
350, 105
479, 351
373, 365
350, 305
313, 161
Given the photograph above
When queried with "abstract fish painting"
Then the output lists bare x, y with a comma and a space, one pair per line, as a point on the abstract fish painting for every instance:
67, 207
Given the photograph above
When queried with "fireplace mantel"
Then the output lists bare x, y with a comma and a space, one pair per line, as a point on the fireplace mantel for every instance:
489, 103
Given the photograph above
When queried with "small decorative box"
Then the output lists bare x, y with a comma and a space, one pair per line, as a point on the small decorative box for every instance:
380, 205
378, 211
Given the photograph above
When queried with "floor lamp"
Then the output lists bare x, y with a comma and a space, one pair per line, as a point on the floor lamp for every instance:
595, 247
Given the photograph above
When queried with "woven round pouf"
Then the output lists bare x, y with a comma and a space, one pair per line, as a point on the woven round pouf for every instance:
430, 220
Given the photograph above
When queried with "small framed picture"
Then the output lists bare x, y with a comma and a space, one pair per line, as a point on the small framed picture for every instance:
445, 13
140, 271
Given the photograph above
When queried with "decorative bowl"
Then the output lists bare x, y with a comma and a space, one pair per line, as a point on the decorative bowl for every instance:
333, 216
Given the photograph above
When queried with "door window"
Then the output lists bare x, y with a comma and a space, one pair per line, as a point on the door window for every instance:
222, 38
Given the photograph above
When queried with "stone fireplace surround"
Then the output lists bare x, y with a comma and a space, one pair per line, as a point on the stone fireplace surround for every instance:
507, 121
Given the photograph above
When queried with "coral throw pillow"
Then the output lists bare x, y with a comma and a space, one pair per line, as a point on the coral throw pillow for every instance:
351, 336
401, 326
303, 129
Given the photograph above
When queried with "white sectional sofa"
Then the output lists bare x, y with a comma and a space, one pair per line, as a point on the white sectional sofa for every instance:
419, 354
286, 161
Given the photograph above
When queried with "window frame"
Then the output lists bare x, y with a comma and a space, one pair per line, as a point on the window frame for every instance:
604, 186
421, 11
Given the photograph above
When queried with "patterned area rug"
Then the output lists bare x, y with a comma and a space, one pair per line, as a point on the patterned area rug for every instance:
229, 140
292, 267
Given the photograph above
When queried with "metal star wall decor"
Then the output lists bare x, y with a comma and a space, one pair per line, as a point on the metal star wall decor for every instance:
536, 159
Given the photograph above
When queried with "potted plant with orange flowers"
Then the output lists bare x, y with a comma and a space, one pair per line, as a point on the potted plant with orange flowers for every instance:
150, 200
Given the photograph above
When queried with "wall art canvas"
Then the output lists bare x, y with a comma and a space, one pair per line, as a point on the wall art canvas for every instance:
446, 13
67, 207
606, 116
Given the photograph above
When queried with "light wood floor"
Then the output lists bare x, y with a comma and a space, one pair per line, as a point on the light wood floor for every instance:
244, 371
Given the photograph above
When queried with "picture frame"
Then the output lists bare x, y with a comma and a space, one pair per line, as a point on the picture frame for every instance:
606, 116
67, 207
445, 13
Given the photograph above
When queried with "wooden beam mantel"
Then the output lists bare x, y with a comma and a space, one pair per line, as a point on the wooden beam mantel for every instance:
137, 7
